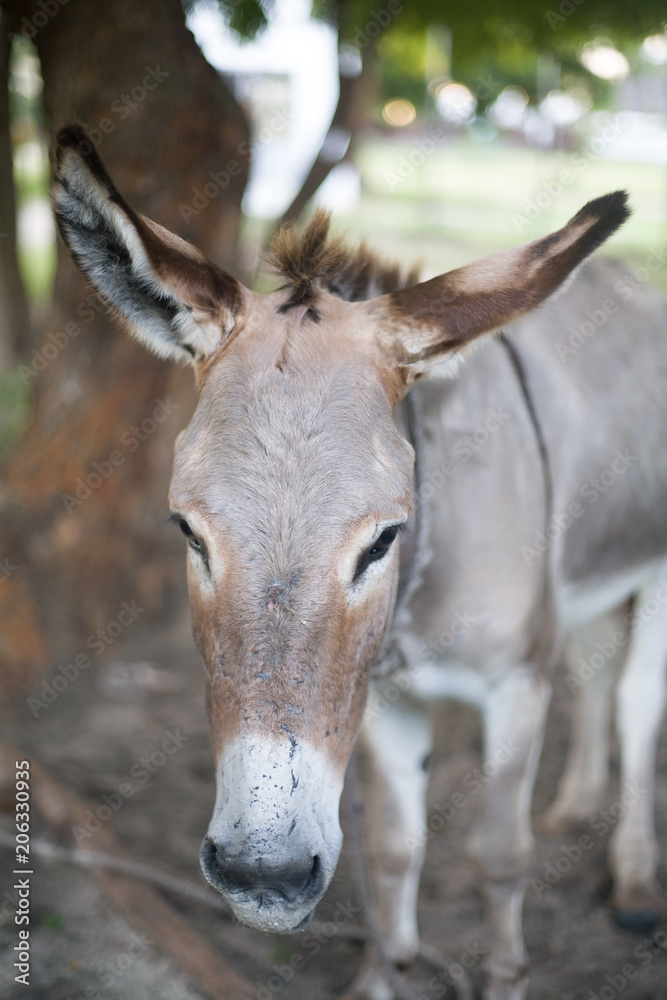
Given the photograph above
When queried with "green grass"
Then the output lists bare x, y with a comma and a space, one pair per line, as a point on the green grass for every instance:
281, 952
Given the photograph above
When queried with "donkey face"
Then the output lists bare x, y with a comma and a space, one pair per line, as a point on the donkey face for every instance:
291, 484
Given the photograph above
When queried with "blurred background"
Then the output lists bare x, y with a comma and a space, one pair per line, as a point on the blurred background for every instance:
437, 131
440, 132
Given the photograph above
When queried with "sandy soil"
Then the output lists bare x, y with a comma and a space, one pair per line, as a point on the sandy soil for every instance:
118, 712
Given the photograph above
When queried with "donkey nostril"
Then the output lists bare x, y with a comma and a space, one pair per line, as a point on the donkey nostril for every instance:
208, 860
298, 881
314, 877
208, 853
301, 880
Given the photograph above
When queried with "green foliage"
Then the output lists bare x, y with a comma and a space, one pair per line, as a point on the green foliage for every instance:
496, 30
247, 18
493, 43
402, 57
487, 27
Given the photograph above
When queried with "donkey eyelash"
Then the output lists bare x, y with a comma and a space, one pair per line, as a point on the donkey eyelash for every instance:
378, 549
194, 542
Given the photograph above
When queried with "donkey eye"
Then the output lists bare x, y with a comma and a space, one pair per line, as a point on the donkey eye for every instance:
383, 542
195, 543
377, 551
185, 528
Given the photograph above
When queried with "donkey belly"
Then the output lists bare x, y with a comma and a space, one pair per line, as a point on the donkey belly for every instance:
582, 602
602, 404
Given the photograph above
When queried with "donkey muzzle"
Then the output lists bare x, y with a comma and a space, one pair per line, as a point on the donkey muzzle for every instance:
274, 839
283, 895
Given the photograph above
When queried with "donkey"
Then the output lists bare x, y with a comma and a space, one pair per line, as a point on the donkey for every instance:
293, 485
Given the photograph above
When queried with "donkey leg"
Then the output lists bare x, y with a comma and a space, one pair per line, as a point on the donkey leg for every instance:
397, 740
595, 655
502, 843
640, 704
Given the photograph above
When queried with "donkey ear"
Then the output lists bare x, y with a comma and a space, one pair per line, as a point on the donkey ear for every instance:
421, 325
174, 300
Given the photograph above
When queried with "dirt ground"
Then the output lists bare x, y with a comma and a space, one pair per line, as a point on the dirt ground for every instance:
148, 688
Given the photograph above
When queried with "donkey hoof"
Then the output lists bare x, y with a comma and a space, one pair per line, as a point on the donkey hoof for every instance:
564, 818
555, 822
638, 911
637, 921
370, 984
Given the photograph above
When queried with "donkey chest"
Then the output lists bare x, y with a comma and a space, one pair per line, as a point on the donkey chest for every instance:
462, 667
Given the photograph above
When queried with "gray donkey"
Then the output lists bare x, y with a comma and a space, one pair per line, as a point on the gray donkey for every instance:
538, 512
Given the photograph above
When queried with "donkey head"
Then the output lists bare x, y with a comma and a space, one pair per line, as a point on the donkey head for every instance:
291, 484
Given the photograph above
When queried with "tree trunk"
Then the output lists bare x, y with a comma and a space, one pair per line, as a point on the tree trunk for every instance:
85, 505
14, 319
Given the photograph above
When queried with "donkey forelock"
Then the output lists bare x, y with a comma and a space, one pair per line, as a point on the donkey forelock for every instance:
311, 258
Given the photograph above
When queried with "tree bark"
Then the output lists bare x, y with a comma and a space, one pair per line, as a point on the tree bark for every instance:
14, 317
85, 503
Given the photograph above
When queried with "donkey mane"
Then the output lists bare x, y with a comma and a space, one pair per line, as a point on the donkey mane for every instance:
310, 259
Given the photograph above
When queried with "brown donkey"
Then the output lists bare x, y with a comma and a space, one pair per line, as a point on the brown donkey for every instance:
542, 483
